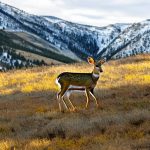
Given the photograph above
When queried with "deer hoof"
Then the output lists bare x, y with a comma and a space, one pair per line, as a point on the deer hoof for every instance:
73, 110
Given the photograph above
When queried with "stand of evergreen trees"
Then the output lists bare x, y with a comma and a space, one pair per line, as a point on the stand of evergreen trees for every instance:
14, 60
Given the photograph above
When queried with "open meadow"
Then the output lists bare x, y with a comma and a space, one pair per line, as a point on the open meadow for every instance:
30, 117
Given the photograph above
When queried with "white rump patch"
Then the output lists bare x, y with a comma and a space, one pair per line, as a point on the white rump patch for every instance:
57, 82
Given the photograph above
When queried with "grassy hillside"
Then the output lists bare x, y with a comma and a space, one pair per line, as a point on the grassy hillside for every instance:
30, 118
30, 45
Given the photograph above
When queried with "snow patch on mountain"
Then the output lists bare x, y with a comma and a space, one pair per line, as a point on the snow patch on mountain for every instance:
52, 19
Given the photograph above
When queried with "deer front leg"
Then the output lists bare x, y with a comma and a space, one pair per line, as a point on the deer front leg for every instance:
92, 94
87, 91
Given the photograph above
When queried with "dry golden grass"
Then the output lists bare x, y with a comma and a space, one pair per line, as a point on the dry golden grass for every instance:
30, 118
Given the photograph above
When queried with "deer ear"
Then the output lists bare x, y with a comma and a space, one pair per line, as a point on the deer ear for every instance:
102, 61
91, 60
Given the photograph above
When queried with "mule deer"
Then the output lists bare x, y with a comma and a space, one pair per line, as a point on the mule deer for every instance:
71, 82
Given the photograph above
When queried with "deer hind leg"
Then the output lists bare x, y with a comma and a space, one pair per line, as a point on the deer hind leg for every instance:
87, 91
68, 97
61, 95
92, 94
64, 103
59, 101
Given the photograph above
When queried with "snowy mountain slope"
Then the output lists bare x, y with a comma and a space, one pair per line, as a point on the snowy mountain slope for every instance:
16, 20
141, 44
32, 38
76, 40
133, 40
81, 40
11, 43
89, 39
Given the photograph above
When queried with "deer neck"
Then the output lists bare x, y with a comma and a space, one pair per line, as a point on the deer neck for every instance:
95, 74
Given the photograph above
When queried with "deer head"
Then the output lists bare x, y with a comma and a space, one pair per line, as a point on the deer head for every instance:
97, 64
